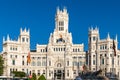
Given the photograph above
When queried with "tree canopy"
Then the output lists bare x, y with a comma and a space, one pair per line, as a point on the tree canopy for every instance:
42, 77
19, 74
1, 65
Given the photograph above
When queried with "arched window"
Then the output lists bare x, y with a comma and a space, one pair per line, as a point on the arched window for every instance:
49, 63
59, 65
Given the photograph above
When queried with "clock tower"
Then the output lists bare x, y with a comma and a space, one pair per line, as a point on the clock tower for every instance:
61, 21
61, 34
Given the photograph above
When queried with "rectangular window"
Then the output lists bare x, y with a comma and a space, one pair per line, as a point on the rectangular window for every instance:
13, 62
16, 49
23, 39
49, 63
94, 38
10, 48
10, 56
105, 55
15, 56
102, 61
26, 39
100, 47
44, 63
75, 63
67, 63
80, 63
106, 46
67, 72
93, 62
61, 23
64, 49
90, 39
49, 73
118, 62
112, 61
110, 55
54, 49
22, 62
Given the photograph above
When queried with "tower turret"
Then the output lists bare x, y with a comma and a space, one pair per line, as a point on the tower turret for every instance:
93, 38
25, 39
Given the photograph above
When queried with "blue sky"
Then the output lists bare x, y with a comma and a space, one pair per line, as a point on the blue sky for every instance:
39, 17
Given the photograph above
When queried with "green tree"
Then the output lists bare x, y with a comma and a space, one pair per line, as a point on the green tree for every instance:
42, 77
1, 65
34, 76
19, 74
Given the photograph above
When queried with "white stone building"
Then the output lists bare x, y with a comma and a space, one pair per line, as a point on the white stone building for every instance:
101, 53
59, 59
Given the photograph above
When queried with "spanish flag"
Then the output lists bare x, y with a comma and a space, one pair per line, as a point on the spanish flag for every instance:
114, 48
28, 58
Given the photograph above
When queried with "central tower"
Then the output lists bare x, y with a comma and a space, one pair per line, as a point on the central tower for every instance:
61, 33
61, 21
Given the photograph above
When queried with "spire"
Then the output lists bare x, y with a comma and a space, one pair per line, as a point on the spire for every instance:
20, 30
96, 28
3, 39
29, 31
58, 10
8, 37
91, 28
108, 36
116, 38
65, 10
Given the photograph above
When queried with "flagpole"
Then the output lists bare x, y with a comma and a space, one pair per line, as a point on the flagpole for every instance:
112, 63
28, 63
114, 54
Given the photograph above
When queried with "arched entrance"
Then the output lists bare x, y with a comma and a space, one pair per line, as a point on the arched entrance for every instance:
59, 71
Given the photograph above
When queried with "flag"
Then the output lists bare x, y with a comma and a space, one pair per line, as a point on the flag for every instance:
114, 48
28, 58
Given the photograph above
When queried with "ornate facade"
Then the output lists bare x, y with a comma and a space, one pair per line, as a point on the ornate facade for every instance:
101, 54
60, 59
